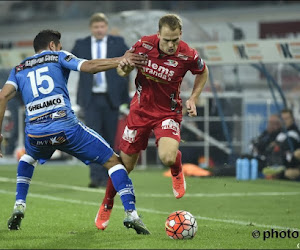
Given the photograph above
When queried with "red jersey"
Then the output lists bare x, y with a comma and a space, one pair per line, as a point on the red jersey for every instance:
158, 83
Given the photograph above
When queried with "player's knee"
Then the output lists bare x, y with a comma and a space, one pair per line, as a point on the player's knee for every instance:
168, 158
27, 158
129, 167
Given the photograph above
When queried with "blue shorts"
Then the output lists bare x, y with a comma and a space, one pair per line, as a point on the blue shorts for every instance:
79, 140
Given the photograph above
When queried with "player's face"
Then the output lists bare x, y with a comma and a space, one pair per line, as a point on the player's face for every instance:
99, 29
169, 40
287, 119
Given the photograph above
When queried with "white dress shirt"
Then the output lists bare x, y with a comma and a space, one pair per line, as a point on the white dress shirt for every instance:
103, 87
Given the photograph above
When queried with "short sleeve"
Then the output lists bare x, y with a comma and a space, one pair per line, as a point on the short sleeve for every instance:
69, 61
197, 65
12, 79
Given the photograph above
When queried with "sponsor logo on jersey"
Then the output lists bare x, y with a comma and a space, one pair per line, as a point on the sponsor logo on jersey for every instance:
158, 71
49, 116
184, 57
68, 58
40, 60
45, 104
20, 67
129, 135
172, 63
147, 46
48, 140
171, 124
200, 63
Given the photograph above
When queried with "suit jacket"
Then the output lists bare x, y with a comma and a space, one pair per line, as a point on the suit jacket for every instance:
117, 86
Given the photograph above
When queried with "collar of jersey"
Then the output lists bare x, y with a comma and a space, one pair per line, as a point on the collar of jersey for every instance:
43, 52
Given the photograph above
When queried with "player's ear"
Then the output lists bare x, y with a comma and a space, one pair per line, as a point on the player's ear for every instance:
52, 46
158, 34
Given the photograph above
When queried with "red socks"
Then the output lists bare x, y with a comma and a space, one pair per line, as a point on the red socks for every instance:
110, 193
176, 168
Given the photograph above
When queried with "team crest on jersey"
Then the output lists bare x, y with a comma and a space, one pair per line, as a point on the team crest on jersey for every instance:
172, 63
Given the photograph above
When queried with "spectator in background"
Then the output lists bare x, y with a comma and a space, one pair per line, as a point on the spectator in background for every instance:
101, 95
259, 146
288, 143
287, 139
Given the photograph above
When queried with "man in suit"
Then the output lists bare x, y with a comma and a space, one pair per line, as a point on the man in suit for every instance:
100, 95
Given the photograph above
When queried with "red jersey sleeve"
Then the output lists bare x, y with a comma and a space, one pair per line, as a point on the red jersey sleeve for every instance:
197, 65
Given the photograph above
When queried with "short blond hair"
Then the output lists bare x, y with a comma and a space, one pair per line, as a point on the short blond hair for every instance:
172, 20
98, 17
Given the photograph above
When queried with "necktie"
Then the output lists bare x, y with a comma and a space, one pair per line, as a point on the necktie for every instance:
98, 75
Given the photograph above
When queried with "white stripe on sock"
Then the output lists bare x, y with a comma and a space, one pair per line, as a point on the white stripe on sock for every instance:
116, 168
27, 158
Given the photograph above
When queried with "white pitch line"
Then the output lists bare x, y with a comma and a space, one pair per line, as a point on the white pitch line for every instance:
80, 202
170, 195
54, 185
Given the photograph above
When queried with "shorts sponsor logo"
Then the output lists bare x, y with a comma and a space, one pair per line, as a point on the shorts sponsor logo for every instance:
48, 140
129, 135
171, 124
45, 104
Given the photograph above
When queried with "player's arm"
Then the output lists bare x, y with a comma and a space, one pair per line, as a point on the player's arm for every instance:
98, 65
199, 83
124, 68
7, 92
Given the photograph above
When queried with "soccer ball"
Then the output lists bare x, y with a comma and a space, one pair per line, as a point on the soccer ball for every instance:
181, 225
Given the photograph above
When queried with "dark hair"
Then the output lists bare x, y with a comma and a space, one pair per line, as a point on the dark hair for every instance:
98, 17
289, 111
43, 38
171, 20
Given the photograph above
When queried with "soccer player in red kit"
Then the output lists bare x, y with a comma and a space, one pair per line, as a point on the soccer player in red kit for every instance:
156, 105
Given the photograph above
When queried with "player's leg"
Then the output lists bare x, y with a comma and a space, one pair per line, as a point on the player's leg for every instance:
170, 156
89, 146
132, 142
24, 175
123, 185
105, 209
25, 171
167, 133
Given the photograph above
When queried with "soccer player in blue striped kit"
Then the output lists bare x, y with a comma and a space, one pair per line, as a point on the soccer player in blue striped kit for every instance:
51, 123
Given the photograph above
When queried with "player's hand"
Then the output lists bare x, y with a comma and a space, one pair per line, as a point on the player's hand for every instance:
1, 139
134, 60
191, 107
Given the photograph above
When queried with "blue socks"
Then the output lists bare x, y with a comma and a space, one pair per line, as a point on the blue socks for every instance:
24, 175
123, 185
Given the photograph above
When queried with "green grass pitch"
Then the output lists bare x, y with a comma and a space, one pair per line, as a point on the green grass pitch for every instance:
61, 210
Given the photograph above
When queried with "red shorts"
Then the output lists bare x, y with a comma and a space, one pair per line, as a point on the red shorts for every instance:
139, 127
